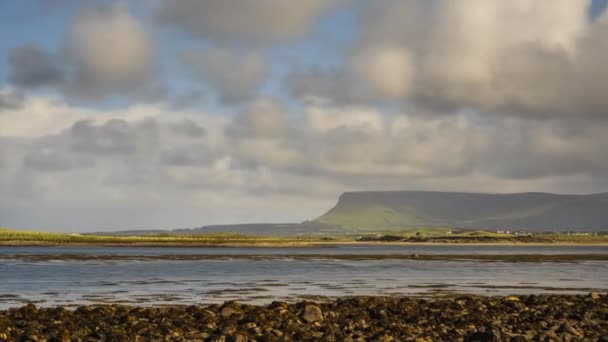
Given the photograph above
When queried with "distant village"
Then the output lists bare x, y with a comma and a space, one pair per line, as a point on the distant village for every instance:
524, 233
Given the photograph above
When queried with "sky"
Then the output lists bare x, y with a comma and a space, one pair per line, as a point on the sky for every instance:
171, 114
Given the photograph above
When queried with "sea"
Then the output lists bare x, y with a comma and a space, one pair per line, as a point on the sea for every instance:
145, 276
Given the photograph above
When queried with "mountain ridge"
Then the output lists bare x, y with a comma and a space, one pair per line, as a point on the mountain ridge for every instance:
528, 211
365, 212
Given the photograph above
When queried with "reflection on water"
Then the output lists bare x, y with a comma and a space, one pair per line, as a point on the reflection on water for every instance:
153, 282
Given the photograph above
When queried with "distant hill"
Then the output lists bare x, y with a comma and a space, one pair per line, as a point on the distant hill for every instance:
255, 229
533, 212
268, 229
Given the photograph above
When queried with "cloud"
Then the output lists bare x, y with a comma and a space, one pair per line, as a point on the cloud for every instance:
238, 21
514, 58
107, 52
332, 84
187, 99
189, 128
189, 155
353, 145
98, 32
114, 137
43, 158
473, 95
385, 71
264, 118
264, 159
10, 100
31, 67
35, 116
235, 77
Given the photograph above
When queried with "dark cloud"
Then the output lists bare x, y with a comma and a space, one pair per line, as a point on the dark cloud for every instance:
234, 76
31, 67
45, 159
247, 22
189, 128
335, 85
187, 99
189, 155
115, 137
10, 100
107, 53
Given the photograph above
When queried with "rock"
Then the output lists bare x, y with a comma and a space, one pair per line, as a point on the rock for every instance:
312, 313
512, 299
237, 338
595, 296
229, 310
480, 337
469, 318
567, 328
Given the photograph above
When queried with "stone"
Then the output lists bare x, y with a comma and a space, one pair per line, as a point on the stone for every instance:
228, 311
538, 318
512, 299
312, 313
567, 328
237, 338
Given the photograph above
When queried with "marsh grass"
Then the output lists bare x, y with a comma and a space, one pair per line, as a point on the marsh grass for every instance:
8, 236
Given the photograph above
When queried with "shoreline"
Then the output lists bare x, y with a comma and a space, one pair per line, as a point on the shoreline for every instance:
456, 318
297, 244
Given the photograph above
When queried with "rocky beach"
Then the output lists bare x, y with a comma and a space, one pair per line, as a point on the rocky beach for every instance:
457, 318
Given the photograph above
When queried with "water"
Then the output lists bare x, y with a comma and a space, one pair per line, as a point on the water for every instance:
44, 275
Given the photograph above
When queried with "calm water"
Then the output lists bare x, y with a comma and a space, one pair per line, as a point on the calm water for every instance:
49, 280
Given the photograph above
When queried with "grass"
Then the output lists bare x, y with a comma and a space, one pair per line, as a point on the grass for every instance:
424, 235
11, 236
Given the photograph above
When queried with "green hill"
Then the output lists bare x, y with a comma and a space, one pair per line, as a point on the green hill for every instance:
415, 210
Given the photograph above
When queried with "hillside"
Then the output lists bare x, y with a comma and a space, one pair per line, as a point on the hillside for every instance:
533, 212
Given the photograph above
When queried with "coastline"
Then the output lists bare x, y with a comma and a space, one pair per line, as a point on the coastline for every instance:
457, 318
280, 244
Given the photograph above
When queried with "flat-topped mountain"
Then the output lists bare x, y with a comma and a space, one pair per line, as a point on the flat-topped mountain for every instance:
533, 212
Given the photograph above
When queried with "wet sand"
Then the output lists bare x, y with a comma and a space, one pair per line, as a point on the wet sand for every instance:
511, 258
